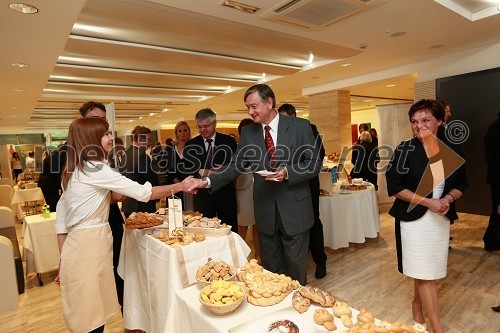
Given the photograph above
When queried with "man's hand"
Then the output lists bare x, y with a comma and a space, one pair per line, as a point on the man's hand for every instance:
279, 176
197, 183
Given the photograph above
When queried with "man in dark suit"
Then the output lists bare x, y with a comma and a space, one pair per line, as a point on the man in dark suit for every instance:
285, 148
138, 167
316, 237
205, 154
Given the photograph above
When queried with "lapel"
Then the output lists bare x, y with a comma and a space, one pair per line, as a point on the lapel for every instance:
283, 132
258, 138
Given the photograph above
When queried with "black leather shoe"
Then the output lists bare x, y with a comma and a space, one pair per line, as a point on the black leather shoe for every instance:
320, 272
496, 308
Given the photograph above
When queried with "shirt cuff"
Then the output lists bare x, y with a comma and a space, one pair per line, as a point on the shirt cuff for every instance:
209, 183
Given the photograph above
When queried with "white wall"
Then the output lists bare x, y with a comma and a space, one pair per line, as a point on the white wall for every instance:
366, 116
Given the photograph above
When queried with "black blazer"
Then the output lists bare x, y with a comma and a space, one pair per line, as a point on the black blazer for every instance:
409, 167
138, 167
195, 153
492, 152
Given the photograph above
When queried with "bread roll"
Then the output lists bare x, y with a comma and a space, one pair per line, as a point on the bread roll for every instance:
317, 295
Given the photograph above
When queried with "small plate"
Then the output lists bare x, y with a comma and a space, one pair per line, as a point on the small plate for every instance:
265, 173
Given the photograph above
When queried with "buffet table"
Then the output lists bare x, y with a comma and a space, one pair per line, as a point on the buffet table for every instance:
349, 218
192, 316
154, 271
41, 251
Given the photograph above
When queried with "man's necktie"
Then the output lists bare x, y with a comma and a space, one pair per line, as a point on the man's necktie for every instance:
210, 155
271, 150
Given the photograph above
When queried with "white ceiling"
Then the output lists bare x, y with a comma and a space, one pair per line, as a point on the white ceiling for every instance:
148, 56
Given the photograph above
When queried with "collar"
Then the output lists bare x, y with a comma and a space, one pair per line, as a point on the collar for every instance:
213, 138
273, 124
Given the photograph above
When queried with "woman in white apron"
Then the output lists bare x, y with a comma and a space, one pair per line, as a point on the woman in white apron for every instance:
85, 239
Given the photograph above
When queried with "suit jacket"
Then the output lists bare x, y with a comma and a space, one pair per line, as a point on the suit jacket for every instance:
296, 150
138, 167
408, 169
195, 153
492, 152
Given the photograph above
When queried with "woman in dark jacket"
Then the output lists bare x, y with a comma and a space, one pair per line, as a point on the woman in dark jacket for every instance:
365, 159
426, 175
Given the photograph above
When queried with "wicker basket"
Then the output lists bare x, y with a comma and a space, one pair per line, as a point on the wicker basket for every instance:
230, 277
224, 309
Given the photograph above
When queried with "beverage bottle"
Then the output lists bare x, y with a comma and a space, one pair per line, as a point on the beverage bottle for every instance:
334, 175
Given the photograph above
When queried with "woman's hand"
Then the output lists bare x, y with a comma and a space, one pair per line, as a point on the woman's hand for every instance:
437, 206
187, 184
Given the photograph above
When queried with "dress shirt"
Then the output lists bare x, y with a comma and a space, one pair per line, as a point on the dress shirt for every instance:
274, 129
85, 193
206, 143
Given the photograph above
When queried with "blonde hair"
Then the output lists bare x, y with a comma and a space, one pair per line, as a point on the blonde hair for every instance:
179, 124
365, 137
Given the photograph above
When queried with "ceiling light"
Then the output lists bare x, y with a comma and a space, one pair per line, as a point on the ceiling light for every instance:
165, 110
398, 34
437, 46
242, 7
17, 90
345, 65
311, 59
151, 114
19, 64
23, 8
390, 85
140, 117
130, 120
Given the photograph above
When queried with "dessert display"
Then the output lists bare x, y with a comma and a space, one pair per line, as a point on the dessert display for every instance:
266, 288
191, 217
142, 220
222, 297
180, 238
353, 187
283, 326
215, 270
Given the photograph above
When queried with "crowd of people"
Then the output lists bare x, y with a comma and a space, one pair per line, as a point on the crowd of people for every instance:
218, 178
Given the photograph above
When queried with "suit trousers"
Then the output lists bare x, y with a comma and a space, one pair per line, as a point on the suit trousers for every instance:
285, 254
316, 237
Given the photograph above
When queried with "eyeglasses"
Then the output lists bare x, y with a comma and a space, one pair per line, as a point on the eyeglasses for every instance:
204, 126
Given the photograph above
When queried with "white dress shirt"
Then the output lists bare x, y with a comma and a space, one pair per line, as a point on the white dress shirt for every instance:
80, 205
274, 129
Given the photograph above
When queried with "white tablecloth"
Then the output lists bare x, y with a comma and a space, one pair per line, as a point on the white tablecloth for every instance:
41, 251
192, 316
349, 218
32, 196
152, 274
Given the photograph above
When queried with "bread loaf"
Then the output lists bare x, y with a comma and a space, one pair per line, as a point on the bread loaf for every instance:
300, 303
317, 295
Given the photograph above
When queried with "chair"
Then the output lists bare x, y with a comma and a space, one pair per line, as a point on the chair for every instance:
6, 181
9, 299
8, 230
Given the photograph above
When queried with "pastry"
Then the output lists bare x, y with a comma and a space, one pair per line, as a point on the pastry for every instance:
317, 295
322, 316
300, 303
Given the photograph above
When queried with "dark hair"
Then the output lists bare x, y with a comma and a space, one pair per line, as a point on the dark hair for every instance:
31, 153
264, 90
374, 131
84, 137
205, 113
89, 106
289, 109
244, 123
445, 104
433, 106
365, 126
138, 131
118, 141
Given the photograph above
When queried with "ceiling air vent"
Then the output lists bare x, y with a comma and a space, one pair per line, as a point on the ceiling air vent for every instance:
317, 14
242, 7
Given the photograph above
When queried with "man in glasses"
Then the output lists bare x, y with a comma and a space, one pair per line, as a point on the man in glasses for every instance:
204, 155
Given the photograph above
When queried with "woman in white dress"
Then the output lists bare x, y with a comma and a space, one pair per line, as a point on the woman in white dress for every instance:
426, 175
85, 239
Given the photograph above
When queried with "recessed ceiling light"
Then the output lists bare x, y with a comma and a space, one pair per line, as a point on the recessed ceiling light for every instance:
19, 64
438, 46
23, 8
315, 77
151, 114
17, 90
165, 110
390, 85
345, 65
140, 117
398, 34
